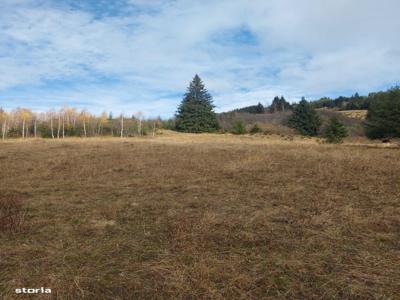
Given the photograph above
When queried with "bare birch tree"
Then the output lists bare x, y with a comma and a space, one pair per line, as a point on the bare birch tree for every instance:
139, 117
84, 116
122, 125
59, 125
3, 117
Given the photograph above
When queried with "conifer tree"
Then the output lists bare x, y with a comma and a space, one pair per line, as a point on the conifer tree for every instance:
383, 117
239, 127
196, 111
305, 119
259, 109
279, 104
335, 131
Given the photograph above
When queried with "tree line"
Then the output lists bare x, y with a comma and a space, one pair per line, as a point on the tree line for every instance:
279, 104
69, 122
354, 102
196, 114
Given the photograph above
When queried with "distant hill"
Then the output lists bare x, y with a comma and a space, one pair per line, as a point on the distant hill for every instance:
355, 102
279, 104
252, 109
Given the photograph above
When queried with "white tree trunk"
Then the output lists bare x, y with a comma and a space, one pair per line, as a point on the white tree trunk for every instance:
59, 127
63, 127
3, 129
35, 128
84, 127
122, 126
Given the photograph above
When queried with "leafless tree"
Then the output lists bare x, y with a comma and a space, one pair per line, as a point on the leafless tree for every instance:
122, 125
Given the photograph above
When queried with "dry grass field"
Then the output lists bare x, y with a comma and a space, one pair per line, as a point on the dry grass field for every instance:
355, 114
183, 216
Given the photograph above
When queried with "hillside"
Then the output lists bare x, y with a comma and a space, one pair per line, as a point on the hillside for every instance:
276, 123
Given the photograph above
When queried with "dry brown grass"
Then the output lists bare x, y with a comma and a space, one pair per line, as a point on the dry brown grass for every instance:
203, 216
355, 114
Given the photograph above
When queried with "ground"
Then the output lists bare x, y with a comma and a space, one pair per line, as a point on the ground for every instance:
202, 216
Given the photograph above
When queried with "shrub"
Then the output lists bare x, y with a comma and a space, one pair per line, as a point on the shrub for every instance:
168, 124
255, 129
12, 213
335, 131
239, 128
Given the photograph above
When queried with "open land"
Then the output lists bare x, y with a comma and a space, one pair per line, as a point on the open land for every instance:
189, 216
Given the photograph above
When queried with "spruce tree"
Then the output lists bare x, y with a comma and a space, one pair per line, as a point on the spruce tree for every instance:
383, 117
279, 104
239, 127
196, 111
335, 131
259, 109
305, 119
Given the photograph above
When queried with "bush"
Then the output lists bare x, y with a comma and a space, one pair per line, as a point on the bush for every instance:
335, 132
239, 128
44, 131
255, 129
168, 124
14, 132
12, 213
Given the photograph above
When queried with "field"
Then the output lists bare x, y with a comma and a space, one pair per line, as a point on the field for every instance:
183, 216
355, 114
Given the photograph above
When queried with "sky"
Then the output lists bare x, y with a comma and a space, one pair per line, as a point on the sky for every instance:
127, 56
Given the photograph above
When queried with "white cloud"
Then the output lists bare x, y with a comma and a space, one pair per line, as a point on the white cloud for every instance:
144, 57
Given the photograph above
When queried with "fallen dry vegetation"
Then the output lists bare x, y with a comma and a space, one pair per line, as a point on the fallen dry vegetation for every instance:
202, 216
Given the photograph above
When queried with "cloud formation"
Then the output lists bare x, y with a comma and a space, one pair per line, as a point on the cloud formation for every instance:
131, 55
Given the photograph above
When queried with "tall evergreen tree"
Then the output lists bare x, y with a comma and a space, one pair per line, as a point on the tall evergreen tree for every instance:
305, 119
196, 111
279, 104
259, 108
383, 117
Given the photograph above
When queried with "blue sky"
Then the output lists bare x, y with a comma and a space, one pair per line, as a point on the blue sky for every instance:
139, 55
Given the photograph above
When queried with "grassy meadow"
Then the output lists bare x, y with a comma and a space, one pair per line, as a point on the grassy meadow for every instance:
210, 216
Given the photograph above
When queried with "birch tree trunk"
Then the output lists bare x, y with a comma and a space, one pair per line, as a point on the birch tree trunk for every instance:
59, 127
84, 127
3, 129
63, 127
122, 126
35, 128
23, 128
